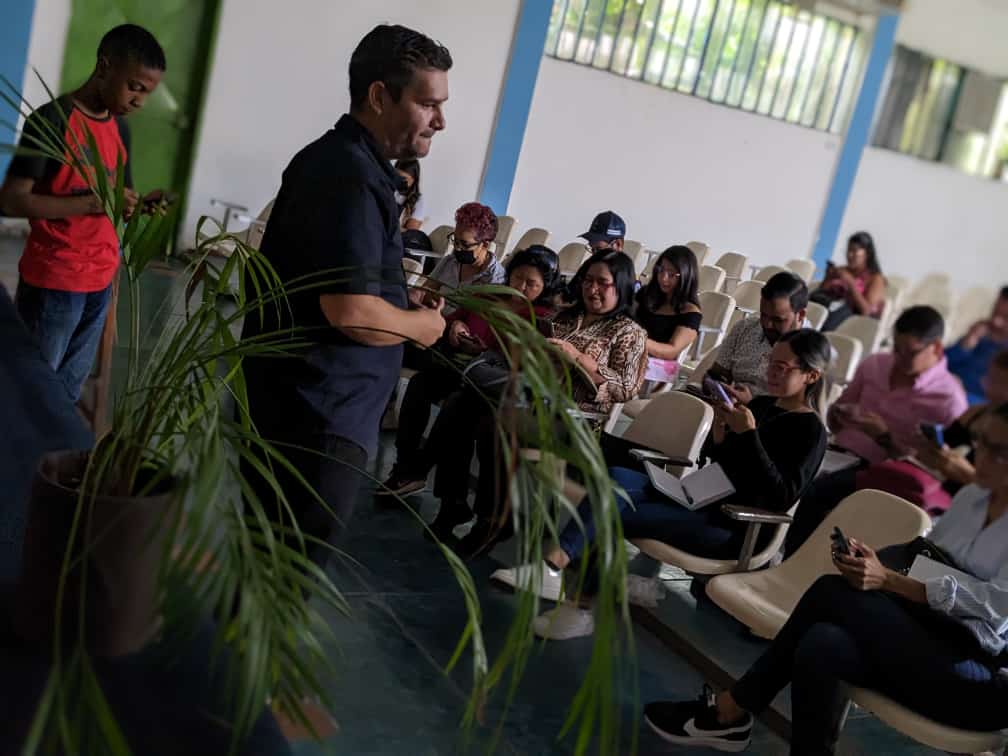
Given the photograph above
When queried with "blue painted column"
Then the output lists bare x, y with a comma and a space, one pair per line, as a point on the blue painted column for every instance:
15, 31
516, 100
858, 134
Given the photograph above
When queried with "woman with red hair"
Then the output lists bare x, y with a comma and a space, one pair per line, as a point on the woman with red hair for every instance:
472, 259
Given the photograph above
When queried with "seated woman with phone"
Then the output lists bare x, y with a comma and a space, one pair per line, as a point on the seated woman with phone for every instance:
769, 452
924, 623
857, 288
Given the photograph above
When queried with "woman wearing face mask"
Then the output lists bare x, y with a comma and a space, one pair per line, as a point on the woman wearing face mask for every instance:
937, 645
770, 450
410, 200
857, 288
534, 274
471, 260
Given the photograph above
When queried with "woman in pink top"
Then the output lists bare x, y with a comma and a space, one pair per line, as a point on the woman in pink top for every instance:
857, 288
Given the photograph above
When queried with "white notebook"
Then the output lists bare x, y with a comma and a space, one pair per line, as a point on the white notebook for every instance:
835, 461
694, 491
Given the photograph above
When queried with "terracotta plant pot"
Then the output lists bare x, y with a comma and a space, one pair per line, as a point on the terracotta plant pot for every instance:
123, 561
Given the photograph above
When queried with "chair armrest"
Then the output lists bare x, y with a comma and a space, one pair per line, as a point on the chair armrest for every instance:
709, 329
599, 417
752, 514
665, 459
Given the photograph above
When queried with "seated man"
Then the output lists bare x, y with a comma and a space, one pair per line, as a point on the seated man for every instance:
972, 354
745, 353
606, 232
879, 414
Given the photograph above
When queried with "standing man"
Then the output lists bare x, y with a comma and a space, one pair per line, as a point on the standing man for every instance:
335, 224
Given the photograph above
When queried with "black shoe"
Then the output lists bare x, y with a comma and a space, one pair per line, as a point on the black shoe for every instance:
449, 516
695, 723
401, 482
482, 538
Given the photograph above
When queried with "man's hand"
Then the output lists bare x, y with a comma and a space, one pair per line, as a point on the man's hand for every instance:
456, 330
131, 200
431, 323
945, 461
419, 297
741, 393
871, 424
977, 331
862, 569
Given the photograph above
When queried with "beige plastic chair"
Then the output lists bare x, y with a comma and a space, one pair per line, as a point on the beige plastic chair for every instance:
413, 270
701, 250
674, 423
717, 310
635, 251
803, 268
439, 239
764, 600
816, 315
694, 372
505, 226
712, 278
747, 296
531, 237
974, 304
571, 257
847, 352
924, 730
866, 330
734, 266
768, 272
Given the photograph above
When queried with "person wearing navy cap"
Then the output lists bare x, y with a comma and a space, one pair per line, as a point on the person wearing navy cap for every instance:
607, 231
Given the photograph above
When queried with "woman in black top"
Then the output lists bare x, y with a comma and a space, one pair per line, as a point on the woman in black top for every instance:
770, 451
668, 307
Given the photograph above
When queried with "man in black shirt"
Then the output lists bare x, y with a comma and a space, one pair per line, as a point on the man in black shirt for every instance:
335, 224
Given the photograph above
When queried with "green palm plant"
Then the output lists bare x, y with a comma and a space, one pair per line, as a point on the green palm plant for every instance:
181, 421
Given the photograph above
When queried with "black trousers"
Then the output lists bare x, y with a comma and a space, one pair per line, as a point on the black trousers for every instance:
433, 384
872, 639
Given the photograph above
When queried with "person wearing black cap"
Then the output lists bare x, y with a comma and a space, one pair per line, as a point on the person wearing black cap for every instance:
607, 231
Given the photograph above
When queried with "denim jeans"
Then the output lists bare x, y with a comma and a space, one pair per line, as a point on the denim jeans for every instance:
67, 325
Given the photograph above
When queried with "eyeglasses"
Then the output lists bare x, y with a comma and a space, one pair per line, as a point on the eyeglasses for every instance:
909, 354
782, 367
597, 283
461, 245
999, 452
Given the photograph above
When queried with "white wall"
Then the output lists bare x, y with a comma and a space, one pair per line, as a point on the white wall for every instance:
968, 32
930, 217
45, 49
676, 167
279, 80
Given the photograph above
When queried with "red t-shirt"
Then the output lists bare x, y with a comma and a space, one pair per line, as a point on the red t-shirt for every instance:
79, 253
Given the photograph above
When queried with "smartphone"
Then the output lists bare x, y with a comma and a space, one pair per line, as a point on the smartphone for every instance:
935, 433
545, 327
715, 390
840, 543
830, 266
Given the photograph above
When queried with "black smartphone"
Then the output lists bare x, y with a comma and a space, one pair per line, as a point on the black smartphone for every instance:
840, 543
933, 432
830, 265
716, 391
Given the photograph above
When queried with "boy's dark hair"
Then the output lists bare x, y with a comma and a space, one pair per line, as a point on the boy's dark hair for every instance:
132, 43
921, 322
788, 286
1004, 293
391, 54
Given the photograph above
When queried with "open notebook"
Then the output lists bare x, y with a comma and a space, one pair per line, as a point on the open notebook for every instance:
835, 461
694, 491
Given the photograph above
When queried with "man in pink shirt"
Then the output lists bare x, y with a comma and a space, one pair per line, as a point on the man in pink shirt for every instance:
878, 416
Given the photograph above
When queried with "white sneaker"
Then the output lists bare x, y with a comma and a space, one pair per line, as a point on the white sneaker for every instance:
564, 622
645, 592
539, 578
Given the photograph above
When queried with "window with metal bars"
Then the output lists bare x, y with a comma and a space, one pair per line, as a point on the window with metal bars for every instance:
763, 56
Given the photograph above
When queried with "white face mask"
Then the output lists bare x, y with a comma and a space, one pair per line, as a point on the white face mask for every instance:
400, 198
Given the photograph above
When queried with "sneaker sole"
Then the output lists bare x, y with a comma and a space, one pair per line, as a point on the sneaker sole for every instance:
410, 488
512, 588
718, 744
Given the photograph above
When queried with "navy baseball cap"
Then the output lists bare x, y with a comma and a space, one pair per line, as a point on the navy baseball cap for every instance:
607, 226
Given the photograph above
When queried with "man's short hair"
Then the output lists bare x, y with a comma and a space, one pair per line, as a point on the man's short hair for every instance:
130, 43
391, 55
1004, 293
788, 286
922, 322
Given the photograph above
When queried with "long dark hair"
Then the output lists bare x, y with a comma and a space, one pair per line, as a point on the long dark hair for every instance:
410, 166
543, 259
864, 240
684, 261
622, 269
813, 352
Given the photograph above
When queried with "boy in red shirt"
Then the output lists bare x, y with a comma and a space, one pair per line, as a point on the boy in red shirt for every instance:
72, 252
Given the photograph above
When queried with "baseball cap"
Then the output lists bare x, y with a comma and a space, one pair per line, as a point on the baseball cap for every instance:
607, 226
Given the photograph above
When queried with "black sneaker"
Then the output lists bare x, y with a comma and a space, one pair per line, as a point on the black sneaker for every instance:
449, 516
401, 482
695, 723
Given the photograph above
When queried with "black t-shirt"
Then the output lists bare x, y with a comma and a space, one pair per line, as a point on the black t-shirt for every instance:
335, 226
661, 327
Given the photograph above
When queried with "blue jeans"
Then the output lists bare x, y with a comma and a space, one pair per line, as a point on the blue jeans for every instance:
874, 640
67, 325
705, 532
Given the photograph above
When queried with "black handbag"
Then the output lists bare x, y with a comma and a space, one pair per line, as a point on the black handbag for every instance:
900, 557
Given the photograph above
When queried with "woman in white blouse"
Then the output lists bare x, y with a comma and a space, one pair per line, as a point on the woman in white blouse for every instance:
938, 646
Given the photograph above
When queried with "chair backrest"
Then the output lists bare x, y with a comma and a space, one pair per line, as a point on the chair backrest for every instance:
256, 230
717, 310
847, 353
768, 272
531, 237
635, 251
711, 278
974, 304
705, 364
734, 266
934, 289
701, 250
674, 423
747, 296
505, 226
803, 268
439, 239
571, 256
816, 315
413, 270
866, 330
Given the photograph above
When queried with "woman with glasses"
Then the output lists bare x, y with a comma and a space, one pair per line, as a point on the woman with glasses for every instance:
471, 259
937, 645
769, 450
668, 308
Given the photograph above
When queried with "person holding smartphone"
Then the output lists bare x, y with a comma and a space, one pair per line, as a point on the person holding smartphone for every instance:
857, 288
937, 646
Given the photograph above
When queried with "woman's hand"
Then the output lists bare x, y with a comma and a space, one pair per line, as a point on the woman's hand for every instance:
862, 568
739, 418
741, 393
871, 424
566, 348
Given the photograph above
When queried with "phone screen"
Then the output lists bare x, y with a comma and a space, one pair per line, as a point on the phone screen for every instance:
715, 390
840, 544
933, 433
